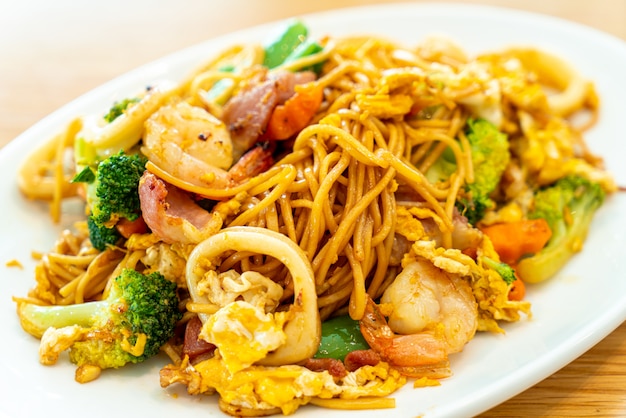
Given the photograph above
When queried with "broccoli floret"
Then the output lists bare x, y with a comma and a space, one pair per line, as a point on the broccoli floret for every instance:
130, 325
474, 207
503, 269
112, 194
112, 191
490, 156
100, 235
115, 190
489, 149
118, 108
568, 207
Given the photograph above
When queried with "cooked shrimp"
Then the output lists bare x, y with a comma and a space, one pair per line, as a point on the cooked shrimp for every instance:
172, 214
195, 148
434, 314
190, 143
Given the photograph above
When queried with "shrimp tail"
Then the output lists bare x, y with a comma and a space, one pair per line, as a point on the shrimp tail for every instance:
255, 161
421, 354
374, 328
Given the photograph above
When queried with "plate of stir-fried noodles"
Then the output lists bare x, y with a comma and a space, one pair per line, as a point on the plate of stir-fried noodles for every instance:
411, 210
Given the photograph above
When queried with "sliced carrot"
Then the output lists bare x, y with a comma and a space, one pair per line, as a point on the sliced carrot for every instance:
512, 240
126, 228
294, 115
518, 289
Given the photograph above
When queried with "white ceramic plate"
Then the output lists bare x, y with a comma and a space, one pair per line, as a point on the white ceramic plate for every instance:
571, 313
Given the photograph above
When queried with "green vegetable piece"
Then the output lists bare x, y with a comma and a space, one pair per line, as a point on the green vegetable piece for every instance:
489, 149
228, 68
112, 190
114, 194
85, 176
443, 167
220, 86
218, 89
85, 155
306, 48
503, 269
428, 112
340, 336
490, 156
284, 43
101, 236
118, 108
569, 207
136, 305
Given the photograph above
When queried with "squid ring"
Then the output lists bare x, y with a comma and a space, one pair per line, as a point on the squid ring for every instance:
552, 70
303, 331
36, 178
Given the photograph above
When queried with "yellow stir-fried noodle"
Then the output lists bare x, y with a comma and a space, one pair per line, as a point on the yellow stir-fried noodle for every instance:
343, 220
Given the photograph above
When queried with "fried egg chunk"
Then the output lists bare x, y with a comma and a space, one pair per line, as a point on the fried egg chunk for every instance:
244, 333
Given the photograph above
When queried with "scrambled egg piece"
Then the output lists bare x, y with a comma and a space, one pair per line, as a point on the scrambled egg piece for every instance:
408, 225
250, 286
244, 333
384, 105
56, 340
550, 152
516, 83
288, 387
168, 259
450, 260
473, 86
164, 259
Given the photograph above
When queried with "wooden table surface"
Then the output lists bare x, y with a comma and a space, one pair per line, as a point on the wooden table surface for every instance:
53, 51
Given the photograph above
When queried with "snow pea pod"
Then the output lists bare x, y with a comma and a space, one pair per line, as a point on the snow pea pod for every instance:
289, 44
220, 87
340, 336
306, 48
284, 43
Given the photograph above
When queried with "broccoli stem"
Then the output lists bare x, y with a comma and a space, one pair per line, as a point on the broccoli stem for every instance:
569, 207
545, 264
564, 244
36, 319
138, 316
504, 270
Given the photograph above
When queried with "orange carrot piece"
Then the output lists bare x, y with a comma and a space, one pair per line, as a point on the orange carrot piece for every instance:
518, 289
126, 228
512, 240
291, 117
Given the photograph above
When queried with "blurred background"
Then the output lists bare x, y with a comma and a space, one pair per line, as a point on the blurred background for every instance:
57, 50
